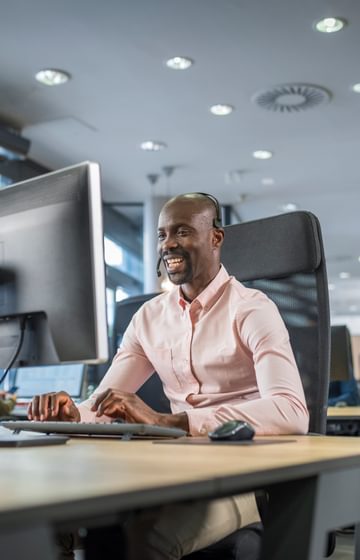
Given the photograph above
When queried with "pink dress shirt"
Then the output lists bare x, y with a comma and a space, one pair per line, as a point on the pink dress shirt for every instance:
226, 355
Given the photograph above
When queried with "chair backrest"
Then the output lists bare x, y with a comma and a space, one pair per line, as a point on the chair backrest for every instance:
152, 391
283, 256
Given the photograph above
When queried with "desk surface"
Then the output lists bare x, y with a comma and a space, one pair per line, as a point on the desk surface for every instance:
345, 412
95, 476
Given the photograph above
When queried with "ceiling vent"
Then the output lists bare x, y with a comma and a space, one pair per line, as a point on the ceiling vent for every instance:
291, 98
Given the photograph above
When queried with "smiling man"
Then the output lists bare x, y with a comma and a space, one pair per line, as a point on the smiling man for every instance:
222, 352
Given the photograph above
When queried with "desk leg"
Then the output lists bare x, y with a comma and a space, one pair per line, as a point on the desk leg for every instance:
288, 523
33, 542
302, 512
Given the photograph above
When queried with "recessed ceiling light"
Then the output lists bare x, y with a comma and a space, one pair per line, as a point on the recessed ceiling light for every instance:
152, 145
329, 25
52, 77
267, 181
179, 63
221, 110
289, 207
262, 154
344, 275
356, 88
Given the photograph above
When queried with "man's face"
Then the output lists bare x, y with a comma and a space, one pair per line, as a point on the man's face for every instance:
187, 243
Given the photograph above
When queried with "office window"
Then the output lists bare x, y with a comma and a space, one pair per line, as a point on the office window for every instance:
121, 294
114, 255
124, 260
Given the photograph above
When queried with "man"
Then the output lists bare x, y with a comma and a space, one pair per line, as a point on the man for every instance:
221, 351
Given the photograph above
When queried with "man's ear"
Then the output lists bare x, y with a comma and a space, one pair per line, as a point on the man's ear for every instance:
218, 237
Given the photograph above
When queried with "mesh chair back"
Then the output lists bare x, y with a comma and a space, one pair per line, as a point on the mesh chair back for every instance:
283, 256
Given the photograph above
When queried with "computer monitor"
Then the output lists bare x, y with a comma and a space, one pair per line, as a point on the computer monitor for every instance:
341, 363
52, 272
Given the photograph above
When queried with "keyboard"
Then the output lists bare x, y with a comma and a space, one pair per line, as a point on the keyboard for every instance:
97, 429
29, 439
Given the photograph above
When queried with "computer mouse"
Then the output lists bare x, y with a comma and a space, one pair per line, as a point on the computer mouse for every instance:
234, 430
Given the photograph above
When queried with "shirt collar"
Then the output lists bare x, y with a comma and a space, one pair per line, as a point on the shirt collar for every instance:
211, 293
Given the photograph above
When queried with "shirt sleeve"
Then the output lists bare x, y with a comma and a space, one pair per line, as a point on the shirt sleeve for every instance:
129, 370
281, 408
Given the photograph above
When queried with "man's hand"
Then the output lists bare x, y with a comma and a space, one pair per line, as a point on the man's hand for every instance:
131, 408
53, 406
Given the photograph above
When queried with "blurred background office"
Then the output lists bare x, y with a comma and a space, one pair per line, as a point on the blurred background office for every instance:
255, 102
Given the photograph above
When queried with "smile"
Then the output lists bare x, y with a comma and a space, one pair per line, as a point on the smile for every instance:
172, 263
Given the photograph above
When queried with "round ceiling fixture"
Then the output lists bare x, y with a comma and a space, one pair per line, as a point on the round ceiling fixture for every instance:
262, 154
179, 62
52, 77
330, 25
153, 145
290, 98
221, 109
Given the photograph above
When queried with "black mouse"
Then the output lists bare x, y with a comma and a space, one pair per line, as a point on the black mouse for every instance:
234, 430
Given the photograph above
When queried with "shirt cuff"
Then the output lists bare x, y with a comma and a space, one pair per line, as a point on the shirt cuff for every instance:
201, 421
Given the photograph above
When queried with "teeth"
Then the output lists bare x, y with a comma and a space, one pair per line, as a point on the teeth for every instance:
174, 261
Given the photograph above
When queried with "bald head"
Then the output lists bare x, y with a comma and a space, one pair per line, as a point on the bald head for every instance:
199, 203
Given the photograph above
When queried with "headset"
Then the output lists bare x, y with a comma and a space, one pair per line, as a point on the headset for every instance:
216, 221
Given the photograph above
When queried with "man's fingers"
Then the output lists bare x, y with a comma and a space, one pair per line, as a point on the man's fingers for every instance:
35, 414
30, 413
99, 400
44, 406
107, 406
54, 404
51, 406
111, 406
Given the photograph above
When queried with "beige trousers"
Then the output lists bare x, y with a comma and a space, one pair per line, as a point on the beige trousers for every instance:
172, 531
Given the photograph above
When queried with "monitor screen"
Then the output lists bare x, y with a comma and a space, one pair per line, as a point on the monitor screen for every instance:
32, 381
52, 271
341, 364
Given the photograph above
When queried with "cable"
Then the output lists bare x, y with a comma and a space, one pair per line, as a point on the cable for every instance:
20, 343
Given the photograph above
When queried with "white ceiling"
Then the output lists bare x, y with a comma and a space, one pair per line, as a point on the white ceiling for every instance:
121, 93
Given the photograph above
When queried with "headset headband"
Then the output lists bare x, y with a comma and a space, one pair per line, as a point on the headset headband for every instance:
217, 221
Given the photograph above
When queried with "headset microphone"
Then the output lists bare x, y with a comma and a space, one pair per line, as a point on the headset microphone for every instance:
158, 271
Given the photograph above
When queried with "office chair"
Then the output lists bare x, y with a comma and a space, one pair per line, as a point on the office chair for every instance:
282, 256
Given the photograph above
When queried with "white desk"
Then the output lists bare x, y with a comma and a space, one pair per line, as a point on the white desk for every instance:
313, 484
